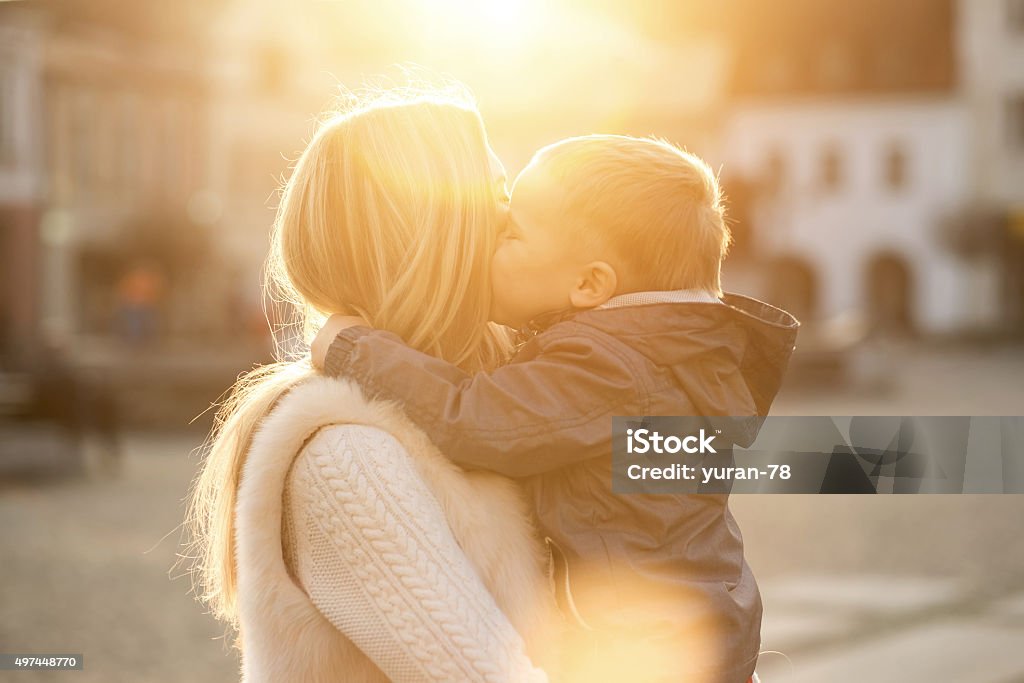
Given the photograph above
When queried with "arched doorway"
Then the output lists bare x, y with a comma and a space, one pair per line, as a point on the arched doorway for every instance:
794, 286
889, 292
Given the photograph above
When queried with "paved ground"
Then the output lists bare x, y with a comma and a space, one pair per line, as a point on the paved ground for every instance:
87, 568
907, 588
884, 628
895, 588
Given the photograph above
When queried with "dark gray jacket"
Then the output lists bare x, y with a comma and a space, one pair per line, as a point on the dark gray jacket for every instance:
545, 418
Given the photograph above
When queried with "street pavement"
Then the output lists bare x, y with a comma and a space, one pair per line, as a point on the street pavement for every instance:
89, 568
855, 588
886, 628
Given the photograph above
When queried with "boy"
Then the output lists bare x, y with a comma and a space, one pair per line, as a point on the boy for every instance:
612, 259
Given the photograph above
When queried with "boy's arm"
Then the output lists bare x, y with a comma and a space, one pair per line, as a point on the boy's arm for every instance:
521, 419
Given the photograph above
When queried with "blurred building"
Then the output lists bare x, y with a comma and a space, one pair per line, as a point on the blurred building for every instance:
21, 182
870, 133
125, 129
274, 72
847, 122
272, 75
991, 61
104, 128
107, 235
852, 196
871, 150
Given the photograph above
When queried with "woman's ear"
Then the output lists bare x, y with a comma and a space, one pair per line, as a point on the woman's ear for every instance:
596, 284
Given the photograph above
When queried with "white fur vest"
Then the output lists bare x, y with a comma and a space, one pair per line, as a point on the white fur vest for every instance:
283, 637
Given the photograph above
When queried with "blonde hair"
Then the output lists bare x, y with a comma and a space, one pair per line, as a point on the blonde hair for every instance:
391, 213
657, 207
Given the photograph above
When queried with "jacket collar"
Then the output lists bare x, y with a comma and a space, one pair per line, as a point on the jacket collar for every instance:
546, 320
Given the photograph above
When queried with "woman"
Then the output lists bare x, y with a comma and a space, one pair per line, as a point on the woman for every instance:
327, 529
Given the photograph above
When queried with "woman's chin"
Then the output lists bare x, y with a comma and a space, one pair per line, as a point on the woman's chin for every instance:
501, 319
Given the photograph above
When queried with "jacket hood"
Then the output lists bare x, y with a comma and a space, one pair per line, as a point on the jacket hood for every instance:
729, 357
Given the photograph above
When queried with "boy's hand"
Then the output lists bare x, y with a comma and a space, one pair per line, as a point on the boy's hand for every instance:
335, 324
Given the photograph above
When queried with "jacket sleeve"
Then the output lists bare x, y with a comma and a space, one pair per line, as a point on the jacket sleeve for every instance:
521, 419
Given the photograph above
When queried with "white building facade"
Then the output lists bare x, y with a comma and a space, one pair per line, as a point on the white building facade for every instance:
990, 46
888, 160
860, 182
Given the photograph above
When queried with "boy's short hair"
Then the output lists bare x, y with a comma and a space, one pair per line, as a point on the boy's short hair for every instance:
658, 207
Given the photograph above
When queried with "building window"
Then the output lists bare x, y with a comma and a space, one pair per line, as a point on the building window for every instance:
148, 137
794, 285
105, 146
1015, 15
1015, 122
773, 173
8, 137
189, 143
83, 153
895, 167
59, 147
168, 113
130, 153
831, 169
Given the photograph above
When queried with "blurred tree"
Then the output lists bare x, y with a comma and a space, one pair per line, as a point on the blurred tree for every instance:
974, 232
994, 235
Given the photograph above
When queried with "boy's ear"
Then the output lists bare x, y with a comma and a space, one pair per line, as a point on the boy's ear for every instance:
596, 284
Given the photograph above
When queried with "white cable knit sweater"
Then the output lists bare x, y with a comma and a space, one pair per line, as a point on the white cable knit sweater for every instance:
364, 555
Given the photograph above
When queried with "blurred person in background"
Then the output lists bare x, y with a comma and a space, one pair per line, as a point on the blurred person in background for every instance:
326, 528
139, 294
80, 402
